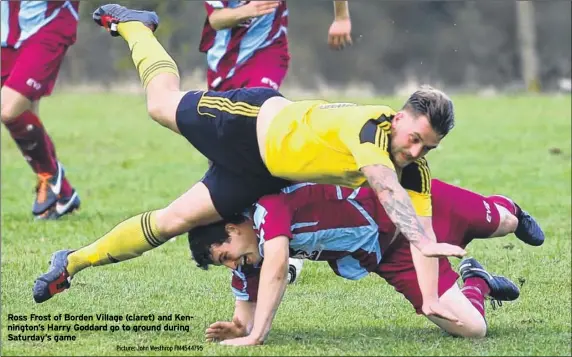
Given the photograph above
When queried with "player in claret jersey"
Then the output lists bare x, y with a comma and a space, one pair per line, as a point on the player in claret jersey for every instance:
246, 42
35, 38
352, 232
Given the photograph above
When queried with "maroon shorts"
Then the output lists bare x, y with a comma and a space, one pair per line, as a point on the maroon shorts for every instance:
32, 69
266, 68
459, 216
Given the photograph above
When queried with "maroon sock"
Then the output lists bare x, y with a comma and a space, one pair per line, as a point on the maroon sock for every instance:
475, 289
66, 189
504, 202
34, 143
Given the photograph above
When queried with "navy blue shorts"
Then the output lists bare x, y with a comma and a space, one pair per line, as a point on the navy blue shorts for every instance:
222, 127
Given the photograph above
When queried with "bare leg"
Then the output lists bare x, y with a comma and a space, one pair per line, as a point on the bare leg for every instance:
129, 239
474, 324
13, 104
507, 223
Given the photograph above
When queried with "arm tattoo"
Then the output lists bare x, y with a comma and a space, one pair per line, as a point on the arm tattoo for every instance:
395, 201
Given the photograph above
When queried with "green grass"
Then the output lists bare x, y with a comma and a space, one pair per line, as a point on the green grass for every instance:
122, 163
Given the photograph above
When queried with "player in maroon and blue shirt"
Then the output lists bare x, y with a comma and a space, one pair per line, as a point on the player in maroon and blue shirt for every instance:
35, 38
351, 231
246, 42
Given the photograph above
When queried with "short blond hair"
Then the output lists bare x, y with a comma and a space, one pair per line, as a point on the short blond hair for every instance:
436, 105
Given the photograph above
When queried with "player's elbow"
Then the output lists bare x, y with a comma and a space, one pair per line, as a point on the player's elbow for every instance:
217, 26
217, 21
214, 23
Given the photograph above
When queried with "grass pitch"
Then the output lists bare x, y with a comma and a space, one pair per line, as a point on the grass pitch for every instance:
122, 163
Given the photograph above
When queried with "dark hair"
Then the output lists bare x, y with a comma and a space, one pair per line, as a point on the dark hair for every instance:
201, 239
436, 105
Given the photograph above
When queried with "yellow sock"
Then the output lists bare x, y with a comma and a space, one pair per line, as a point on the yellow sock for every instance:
149, 57
129, 239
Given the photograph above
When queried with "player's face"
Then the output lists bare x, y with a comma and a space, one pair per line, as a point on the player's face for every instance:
411, 138
240, 249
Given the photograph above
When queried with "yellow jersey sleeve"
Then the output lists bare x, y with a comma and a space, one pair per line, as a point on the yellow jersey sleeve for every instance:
368, 141
416, 179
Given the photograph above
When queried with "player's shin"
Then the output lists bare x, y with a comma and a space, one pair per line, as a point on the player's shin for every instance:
149, 56
129, 239
34, 142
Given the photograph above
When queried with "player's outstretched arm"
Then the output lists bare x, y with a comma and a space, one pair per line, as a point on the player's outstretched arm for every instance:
339, 34
240, 325
273, 280
228, 18
399, 208
427, 270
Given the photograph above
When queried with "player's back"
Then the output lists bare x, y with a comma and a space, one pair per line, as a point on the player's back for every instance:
347, 228
327, 222
308, 141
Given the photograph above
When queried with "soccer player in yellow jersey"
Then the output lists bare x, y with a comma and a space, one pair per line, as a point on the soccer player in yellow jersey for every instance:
259, 142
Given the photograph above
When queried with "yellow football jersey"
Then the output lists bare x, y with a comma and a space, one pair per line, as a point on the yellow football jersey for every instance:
323, 142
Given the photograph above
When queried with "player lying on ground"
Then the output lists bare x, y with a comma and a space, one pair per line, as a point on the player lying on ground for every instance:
353, 233
259, 142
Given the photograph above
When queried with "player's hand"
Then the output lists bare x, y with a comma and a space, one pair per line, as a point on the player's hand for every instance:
259, 8
339, 35
224, 330
438, 250
439, 310
242, 341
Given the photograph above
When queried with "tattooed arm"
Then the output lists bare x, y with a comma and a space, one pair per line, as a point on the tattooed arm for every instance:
396, 203
399, 208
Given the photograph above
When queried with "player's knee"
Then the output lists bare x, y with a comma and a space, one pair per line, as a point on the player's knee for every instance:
508, 221
472, 329
156, 110
163, 109
9, 111
171, 221
13, 104
170, 224
477, 331
5, 114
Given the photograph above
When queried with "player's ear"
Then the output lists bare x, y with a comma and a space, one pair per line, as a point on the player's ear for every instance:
230, 229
